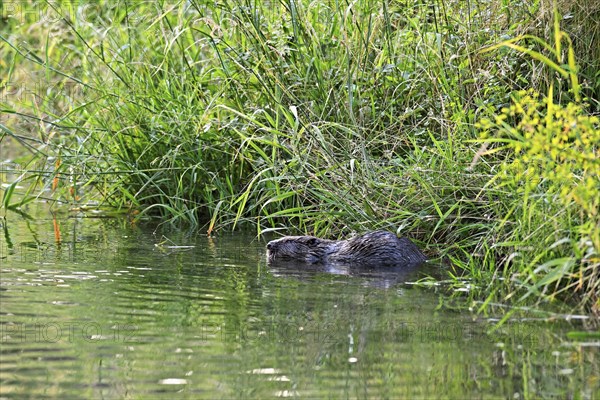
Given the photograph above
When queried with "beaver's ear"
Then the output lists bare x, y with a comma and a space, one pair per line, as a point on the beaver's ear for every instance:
312, 241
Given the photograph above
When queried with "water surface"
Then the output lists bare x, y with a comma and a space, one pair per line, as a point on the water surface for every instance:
101, 308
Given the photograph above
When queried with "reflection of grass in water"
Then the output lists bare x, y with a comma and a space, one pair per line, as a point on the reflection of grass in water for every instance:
322, 118
190, 313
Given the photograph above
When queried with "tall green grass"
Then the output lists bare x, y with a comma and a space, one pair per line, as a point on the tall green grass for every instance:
323, 117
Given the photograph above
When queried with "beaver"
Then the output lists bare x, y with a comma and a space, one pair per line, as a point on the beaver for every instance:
379, 248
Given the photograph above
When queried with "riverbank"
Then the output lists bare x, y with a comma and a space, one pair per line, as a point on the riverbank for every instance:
327, 119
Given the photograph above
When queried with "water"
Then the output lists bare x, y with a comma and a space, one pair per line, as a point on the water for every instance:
100, 308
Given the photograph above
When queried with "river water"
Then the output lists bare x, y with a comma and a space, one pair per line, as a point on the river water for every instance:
101, 308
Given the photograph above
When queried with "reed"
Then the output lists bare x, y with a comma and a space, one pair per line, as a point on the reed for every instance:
323, 117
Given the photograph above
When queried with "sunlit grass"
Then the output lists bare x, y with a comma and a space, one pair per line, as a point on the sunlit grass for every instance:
322, 118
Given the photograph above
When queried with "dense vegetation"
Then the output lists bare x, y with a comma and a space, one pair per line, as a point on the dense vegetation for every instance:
467, 125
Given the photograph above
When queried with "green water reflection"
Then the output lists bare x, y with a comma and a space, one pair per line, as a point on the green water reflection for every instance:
97, 308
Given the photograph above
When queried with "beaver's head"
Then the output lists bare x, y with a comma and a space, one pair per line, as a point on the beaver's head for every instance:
307, 249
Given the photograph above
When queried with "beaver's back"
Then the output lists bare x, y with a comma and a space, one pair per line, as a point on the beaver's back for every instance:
378, 248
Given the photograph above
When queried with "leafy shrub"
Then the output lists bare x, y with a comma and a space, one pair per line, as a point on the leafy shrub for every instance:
552, 168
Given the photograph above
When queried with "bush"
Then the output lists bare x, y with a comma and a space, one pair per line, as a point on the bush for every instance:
551, 169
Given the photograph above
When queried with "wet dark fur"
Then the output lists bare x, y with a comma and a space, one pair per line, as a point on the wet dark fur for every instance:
379, 248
